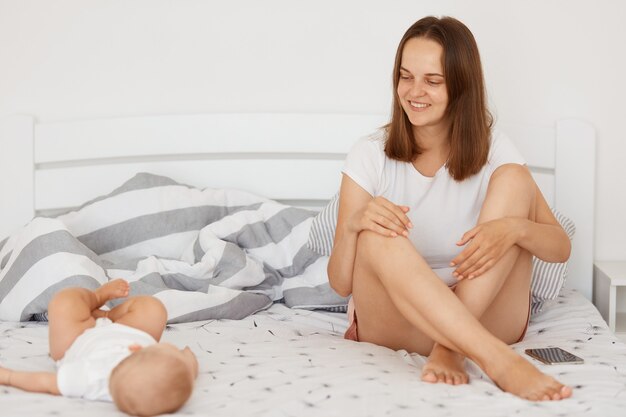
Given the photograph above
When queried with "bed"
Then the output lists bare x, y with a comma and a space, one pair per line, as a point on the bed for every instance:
286, 361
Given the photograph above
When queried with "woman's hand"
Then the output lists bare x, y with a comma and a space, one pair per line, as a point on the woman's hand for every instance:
488, 242
383, 217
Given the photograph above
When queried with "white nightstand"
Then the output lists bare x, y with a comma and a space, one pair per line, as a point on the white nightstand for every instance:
608, 277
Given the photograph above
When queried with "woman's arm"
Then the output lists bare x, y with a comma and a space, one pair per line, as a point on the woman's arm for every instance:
544, 238
45, 382
359, 211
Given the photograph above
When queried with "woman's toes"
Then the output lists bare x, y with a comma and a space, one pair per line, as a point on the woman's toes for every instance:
565, 392
429, 376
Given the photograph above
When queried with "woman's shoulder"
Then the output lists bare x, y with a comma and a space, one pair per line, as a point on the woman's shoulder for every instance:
372, 144
502, 149
498, 136
366, 161
376, 139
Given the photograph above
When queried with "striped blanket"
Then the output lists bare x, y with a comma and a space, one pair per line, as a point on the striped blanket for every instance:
206, 254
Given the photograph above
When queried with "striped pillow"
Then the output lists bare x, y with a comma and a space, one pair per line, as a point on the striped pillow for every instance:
547, 278
322, 233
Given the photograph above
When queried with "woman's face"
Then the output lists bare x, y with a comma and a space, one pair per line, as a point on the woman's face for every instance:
421, 88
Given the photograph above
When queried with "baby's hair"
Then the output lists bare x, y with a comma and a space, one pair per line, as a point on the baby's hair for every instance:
150, 382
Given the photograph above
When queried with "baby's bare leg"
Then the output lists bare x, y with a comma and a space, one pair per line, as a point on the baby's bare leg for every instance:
70, 313
142, 312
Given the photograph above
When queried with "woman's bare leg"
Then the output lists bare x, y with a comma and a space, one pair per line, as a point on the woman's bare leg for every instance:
505, 318
400, 302
500, 297
71, 312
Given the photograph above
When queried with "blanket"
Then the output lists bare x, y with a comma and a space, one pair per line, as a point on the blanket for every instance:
205, 253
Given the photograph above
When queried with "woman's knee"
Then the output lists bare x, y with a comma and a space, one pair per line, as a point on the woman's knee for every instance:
370, 243
513, 175
372, 246
367, 237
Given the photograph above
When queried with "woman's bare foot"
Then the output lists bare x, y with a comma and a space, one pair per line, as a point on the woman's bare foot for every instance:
519, 377
446, 366
117, 288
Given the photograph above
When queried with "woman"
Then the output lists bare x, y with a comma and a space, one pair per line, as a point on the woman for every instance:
438, 222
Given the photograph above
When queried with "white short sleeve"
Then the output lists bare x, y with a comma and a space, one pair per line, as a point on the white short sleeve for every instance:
364, 163
503, 151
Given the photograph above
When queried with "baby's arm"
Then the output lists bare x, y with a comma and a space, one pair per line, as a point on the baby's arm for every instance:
45, 382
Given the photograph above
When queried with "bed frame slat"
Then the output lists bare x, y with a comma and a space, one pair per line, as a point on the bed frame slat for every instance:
575, 196
277, 179
197, 134
16, 172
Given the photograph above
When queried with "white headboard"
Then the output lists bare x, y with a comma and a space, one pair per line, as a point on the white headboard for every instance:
295, 158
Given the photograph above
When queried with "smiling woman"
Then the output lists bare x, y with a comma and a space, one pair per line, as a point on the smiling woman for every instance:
421, 86
438, 221
438, 89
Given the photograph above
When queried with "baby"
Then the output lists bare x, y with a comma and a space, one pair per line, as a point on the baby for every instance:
112, 355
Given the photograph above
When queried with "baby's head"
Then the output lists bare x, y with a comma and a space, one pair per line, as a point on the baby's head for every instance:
154, 380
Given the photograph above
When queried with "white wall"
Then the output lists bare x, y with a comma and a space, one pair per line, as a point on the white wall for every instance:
543, 60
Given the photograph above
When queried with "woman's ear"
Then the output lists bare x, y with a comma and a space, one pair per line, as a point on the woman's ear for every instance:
135, 347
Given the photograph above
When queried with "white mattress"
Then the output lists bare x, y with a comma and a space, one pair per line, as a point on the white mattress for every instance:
284, 362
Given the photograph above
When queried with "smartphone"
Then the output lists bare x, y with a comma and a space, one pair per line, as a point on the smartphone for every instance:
553, 355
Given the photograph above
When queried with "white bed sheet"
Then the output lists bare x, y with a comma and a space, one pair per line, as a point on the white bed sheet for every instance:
284, 362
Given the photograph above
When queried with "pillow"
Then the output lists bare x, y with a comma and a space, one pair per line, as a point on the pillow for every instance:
322, 233
547, 278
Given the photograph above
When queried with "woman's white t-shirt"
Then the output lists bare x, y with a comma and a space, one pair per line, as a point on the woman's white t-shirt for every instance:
441, 209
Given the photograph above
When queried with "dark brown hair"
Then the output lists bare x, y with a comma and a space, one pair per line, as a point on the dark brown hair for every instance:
470, 120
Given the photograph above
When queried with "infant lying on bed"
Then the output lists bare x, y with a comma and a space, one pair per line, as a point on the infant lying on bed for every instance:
112, 356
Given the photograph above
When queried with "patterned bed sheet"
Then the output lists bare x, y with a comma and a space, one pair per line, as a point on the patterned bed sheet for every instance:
288, 362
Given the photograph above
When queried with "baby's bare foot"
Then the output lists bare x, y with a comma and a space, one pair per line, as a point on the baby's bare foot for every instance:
446, 366
521, 378
98, 314
117, 288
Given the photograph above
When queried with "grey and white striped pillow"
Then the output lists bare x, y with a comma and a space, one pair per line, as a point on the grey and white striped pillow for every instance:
547, 277
322, 233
